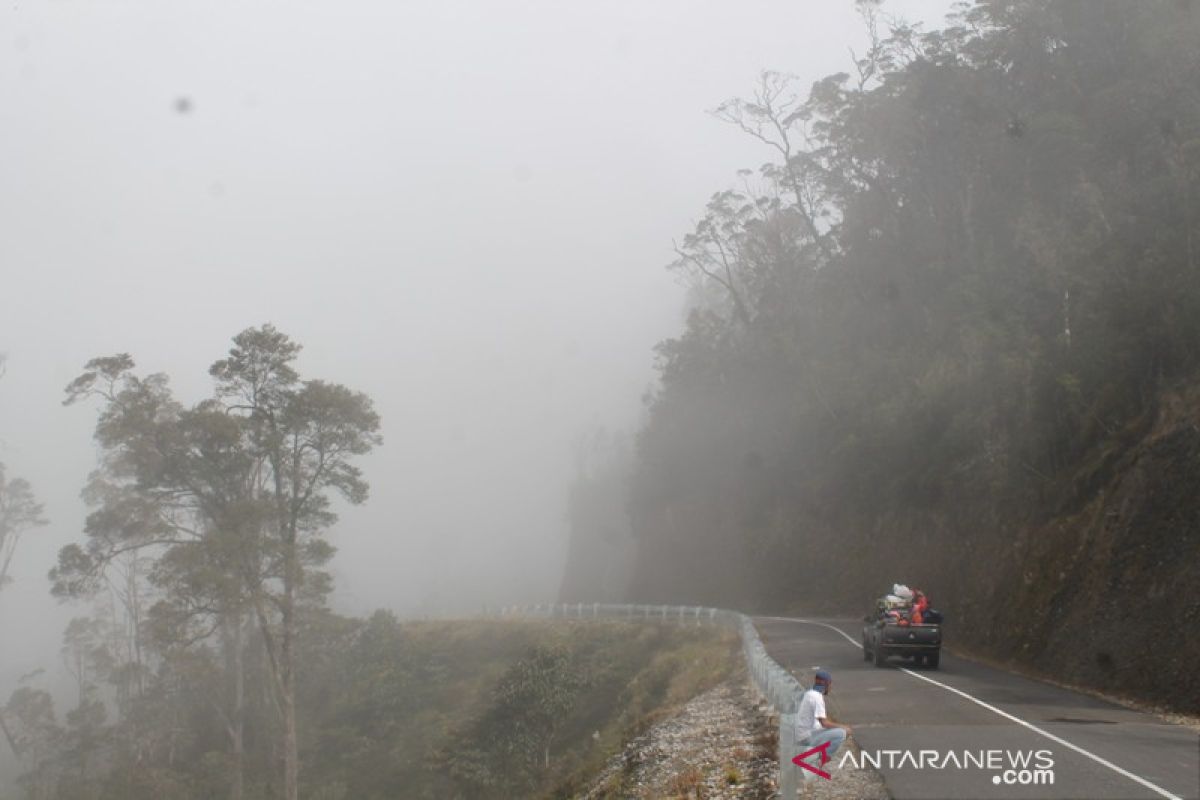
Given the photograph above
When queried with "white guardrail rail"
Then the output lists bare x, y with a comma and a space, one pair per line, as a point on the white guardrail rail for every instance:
779, 687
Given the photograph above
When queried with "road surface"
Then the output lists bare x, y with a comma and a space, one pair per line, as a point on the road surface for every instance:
1099, 750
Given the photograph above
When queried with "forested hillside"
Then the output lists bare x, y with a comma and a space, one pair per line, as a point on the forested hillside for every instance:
948, 335
387, 709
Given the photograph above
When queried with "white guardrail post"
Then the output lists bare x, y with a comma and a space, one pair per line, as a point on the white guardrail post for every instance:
771, 680
789, 783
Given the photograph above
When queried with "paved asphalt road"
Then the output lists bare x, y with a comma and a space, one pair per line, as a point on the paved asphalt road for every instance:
1100, 750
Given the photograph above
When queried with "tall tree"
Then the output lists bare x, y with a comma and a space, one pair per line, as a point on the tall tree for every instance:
305, 433
231, 499
19, 512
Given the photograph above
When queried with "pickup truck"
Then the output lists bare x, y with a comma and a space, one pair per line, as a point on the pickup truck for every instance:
882, 637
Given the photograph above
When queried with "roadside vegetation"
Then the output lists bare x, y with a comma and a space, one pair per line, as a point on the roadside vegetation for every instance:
386, 709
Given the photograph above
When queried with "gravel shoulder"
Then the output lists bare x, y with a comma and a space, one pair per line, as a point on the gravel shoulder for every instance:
720, 745
845, 783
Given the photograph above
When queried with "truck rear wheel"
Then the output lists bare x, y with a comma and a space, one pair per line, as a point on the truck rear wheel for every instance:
880, 658
932, 660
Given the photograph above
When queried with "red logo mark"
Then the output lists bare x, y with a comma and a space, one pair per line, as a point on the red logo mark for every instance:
822, 749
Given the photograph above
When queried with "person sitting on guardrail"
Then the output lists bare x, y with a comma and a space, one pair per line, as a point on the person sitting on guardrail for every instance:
814, 727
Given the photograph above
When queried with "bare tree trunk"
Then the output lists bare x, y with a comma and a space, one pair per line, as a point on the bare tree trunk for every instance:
291, 766
279, 654
135, 619
287, 656
236, 649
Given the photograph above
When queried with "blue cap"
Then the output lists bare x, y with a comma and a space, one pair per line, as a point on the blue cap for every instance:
823, 676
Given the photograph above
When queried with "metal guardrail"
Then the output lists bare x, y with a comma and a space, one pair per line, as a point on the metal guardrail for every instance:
779, 687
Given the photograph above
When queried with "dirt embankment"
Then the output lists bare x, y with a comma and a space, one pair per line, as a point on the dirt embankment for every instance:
1109, 594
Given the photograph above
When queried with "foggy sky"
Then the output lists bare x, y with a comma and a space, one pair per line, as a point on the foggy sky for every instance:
460, 208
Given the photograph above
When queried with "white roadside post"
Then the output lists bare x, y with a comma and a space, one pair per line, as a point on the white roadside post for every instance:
788, 783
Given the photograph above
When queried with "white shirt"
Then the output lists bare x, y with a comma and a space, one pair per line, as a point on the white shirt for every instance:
808, 716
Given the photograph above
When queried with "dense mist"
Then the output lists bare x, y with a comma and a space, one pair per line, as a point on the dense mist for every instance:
462, 210
327, 327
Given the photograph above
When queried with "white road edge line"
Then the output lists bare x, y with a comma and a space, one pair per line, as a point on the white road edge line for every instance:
1120, 771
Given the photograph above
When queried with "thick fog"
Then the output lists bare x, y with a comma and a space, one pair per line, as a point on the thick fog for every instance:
461, 208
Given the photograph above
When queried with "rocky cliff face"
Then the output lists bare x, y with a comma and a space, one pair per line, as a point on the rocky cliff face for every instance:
1109, 595
1094, 580
1098, 584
